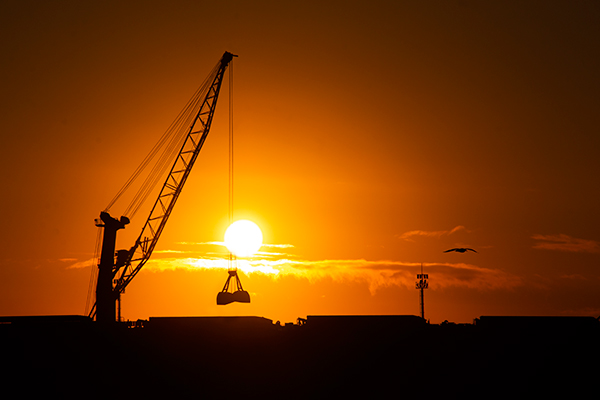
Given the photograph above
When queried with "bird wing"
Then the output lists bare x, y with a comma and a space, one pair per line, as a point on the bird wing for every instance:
450, 250
472, 250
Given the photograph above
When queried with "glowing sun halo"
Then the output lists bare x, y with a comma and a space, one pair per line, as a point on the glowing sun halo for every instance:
243, 238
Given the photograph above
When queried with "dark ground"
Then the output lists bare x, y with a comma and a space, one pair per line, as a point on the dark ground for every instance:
326, 357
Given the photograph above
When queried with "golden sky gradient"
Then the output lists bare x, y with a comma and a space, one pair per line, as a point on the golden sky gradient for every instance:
369, 138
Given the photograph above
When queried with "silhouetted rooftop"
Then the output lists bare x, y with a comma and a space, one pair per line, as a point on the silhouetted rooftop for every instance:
537, 323
323, 356
362, 322
29, 320
244, 322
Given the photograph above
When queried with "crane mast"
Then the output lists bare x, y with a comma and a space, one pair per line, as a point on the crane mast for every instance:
121, 267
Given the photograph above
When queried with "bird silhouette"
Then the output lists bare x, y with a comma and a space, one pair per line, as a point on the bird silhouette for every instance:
460, 250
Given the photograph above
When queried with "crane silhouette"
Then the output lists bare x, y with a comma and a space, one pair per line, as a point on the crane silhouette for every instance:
460, 250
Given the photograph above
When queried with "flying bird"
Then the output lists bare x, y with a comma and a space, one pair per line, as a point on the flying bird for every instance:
460, 250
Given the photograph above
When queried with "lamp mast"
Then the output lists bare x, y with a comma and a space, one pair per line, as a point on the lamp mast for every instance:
422, 284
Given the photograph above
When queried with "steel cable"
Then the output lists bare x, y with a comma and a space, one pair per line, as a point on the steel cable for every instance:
170, 143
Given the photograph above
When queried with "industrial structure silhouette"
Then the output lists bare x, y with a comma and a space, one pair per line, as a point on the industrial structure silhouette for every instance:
319, 356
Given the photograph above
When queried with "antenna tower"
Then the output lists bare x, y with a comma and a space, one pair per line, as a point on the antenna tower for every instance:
422, 284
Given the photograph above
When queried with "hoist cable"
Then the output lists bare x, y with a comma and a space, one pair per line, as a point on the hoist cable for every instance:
170, 143
231, 155
178, 136
231, 143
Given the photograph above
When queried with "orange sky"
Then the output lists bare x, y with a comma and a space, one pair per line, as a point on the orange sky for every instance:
369, 138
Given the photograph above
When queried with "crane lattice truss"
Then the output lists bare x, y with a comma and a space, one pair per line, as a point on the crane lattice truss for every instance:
199, 115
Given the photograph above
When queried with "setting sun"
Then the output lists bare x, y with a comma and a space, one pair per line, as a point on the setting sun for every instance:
243, 238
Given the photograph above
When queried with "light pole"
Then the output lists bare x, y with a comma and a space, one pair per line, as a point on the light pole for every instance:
422, 284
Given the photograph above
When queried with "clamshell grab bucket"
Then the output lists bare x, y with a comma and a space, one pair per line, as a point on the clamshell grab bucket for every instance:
240, 295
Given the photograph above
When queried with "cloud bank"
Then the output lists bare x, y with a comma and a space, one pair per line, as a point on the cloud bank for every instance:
562, 242
408, 236
376, 274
